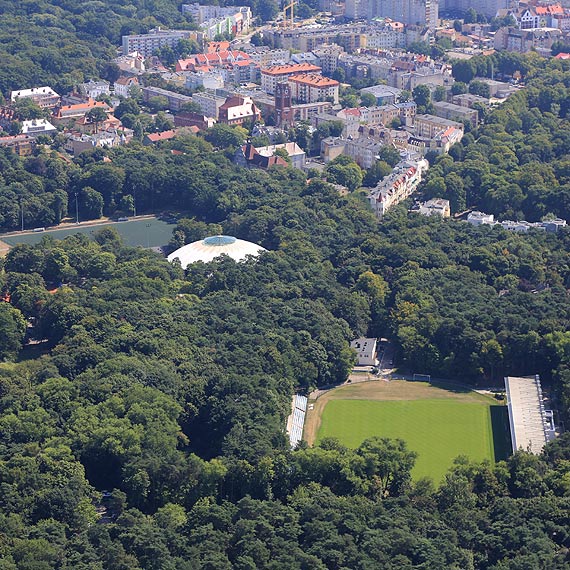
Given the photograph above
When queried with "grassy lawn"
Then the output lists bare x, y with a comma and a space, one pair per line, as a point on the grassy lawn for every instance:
437, 424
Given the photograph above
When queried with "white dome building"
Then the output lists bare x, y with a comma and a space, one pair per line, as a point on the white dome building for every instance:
211, 247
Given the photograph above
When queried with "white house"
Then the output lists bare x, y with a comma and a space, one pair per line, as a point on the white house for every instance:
37, 127
123, 86
366, 351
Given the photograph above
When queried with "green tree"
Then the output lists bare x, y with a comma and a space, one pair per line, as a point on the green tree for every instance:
13, 327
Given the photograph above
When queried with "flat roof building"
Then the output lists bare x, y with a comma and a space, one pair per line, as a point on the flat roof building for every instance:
366, 351
532, 426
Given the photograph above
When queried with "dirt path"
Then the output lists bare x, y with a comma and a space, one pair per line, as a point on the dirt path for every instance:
4, 248
381, 389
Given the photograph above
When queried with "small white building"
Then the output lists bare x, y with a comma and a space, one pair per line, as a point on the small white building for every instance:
93, 89
366, 351
436, 207
36, 127
44, 97
480, 218
295, 152
123, 86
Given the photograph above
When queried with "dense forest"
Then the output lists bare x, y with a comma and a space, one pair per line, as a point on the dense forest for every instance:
159, 398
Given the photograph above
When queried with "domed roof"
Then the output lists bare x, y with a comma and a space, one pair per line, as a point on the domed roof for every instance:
211, 247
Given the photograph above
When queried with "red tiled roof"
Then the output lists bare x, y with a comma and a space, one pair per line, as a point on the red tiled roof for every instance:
290, 69
314, 80
164, 136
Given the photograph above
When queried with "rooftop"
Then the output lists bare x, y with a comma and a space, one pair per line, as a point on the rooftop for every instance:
292, 68
314, 80
529, 426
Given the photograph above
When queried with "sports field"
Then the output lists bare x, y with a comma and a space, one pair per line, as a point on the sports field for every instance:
146, 232
436, 423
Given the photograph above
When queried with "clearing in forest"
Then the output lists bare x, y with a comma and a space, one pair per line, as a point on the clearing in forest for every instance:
437, 423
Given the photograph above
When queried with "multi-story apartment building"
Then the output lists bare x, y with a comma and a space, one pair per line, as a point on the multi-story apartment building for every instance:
209, 103
456, 112
264, 56
94, 88
175, 100
147, 44
487, 7
311, 87
350, 37
203, 14
430, 125
44, 97
398, 186
327, 57
422, 12
274, 74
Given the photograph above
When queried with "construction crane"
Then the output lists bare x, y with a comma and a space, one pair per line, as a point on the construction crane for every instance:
285, 8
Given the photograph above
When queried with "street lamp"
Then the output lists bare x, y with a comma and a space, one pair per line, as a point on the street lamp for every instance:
76, 210
148, 236
22, 212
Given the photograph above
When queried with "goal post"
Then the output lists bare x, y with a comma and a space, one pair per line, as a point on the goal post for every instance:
422, 378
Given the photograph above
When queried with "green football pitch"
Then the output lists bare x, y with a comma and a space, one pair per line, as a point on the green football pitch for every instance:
437, 430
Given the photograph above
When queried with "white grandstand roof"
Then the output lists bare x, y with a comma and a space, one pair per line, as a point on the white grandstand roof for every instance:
211, 247
529, 429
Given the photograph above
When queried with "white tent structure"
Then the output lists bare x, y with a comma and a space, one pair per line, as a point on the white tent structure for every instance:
211, 247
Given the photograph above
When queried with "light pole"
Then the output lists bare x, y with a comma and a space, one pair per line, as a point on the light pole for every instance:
22, 212
76, 210
134, 202
148, 236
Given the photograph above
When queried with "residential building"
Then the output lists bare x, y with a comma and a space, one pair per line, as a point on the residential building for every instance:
209, 103
207, 79
213, 59
77, 143
190, 119
175, 100
22, 145
430, 125
456, 112
92, 89
523, 41
488, 8
154, 138
498, 89
435, 207
421, 12
65, 114
327, 57
468, 100
237, 19
147, 44
265, 56
36, 127
363, 149
365, 351
440, 143
248, 156
44, 97
311, 87
398, 186
308, 38
386, 34
295, 152
123, 85
476, 218
237, 109
553, 226
384, 94
274, 74
131, 64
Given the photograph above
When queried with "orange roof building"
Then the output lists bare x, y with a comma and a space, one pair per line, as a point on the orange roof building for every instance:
274, 74
311, 87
